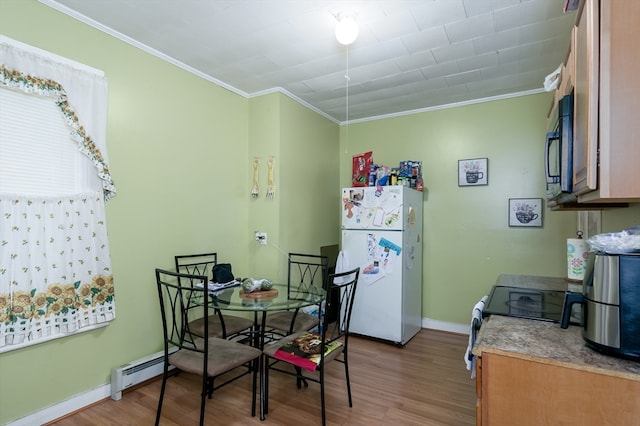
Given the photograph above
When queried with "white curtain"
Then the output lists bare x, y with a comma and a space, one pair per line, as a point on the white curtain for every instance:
55, 267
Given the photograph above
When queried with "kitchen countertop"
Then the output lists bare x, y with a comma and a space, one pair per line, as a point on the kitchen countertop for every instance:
536, 282
546, 342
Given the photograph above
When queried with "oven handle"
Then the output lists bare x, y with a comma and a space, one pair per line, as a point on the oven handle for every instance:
475, 327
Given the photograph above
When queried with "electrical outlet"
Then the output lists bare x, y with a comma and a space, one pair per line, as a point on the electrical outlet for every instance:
261, 237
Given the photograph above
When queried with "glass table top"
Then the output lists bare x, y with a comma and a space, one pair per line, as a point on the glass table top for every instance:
234, 299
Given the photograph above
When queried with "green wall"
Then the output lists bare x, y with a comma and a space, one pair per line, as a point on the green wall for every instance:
617, 219
309, 180
303, 215
467, 240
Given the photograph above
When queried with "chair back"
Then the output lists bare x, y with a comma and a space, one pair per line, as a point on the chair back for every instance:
181, 302
307, 273
197, 264
340, 297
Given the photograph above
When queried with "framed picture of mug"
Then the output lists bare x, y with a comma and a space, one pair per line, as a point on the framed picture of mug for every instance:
525, 212
473, 172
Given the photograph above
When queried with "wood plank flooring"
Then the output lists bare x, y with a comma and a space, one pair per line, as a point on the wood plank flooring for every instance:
424, 383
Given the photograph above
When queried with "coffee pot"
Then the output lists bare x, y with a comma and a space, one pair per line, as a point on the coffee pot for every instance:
610, 302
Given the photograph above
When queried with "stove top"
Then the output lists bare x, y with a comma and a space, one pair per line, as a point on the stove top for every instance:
545, 305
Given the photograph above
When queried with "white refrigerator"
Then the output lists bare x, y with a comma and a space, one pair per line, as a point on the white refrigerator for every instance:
382, 234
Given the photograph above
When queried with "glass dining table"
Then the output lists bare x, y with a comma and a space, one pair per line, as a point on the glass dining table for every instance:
259, 304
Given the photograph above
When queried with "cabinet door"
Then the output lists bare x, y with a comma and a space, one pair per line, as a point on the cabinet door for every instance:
525, 392
585, 132
619, 126
479, 391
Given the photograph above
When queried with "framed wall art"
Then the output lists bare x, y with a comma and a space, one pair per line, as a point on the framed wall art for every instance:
525, 212
473, 172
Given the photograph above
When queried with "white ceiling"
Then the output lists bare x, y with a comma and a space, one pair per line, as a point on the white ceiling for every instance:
410, 54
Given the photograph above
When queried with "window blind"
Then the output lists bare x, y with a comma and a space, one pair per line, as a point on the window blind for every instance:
37, 155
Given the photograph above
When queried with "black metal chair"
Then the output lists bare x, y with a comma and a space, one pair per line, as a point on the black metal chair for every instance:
331, 344
208, 357
224, 326
306, 273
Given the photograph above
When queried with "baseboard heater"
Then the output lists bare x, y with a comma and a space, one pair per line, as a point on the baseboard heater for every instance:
136, 372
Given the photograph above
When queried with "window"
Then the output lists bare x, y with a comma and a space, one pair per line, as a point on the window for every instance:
55, 266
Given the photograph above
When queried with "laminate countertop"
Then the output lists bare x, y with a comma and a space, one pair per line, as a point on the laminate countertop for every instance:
546, 342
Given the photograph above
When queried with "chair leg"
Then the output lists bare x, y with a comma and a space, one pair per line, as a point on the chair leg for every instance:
324, 417
300, 378
210, 387
255, 378
162, 387
203, 395
264, 397
346, 374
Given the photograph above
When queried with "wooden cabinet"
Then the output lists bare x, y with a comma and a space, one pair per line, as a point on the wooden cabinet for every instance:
585, 132
607, 100
513, 390
602, 69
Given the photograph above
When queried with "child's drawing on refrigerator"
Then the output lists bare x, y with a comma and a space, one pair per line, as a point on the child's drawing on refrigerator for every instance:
381, 256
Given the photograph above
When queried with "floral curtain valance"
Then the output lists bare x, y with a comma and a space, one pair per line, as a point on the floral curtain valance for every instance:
28, 83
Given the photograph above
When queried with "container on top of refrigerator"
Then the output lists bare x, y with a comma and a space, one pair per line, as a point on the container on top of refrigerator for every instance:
408, 173
361, 168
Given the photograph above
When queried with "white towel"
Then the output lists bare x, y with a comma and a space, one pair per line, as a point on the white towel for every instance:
476, 314
342, 265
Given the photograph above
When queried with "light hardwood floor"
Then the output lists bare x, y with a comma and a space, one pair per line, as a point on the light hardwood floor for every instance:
423, 383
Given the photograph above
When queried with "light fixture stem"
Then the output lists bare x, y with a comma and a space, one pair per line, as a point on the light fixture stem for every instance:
346, 145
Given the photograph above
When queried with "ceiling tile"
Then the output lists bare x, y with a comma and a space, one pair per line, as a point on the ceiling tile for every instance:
453, 52
410, 54
470, 28
437, 13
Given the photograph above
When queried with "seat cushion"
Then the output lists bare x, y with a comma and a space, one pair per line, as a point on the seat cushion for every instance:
224, 355
282, 321
232, 323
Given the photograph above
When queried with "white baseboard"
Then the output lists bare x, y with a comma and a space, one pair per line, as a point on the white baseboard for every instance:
445, 326
82, 400
65, 407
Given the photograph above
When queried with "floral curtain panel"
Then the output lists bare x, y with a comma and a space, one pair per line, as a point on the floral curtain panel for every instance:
56, 269
55, 266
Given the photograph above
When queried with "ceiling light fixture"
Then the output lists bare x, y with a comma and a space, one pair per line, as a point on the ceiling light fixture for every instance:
346, 33
346, 29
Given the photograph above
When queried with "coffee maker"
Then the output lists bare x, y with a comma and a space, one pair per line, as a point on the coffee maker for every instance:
610, 301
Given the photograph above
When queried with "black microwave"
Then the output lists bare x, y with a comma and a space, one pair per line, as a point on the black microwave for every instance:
558, 153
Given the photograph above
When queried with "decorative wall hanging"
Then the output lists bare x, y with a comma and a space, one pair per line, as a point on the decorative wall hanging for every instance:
271, 187
255, 190
473, 172
525, 212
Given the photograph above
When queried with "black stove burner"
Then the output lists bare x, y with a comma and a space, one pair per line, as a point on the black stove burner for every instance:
529, 303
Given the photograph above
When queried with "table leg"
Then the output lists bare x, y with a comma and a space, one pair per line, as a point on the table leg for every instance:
264, 386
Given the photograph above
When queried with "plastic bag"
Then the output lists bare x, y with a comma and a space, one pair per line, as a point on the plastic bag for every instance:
626, 241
